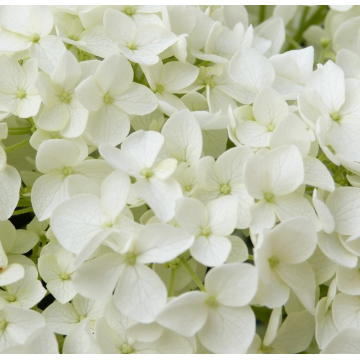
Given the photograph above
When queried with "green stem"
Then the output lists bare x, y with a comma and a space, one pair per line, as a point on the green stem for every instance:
23, 211
192, 274
317, 17
251, 257
135, 71
35, 251
292, 42
30, 121
17, 146
262, 13
298, 34
339, 172
171, 285
20, 130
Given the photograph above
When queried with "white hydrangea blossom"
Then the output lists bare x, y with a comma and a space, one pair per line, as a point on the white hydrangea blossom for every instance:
194, 172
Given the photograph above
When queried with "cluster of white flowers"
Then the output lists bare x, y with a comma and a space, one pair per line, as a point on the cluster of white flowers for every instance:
194, 172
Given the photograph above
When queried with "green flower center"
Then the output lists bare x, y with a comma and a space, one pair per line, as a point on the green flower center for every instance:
212, 302
271, 127
159, 88
84, 56
11, 298
175, 264
132, 46
126, 349
20, 94
274, 261
336, 116
35, 37
81, 318
65, 97
225, 189
130, 258
64, 277
205, 231
188, 188
3, 324
130, 10
269, 197
147, 172
210, 82
74, 37
67, 170
108, 99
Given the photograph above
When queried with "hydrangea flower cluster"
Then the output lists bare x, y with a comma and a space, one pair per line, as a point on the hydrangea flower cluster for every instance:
179, 179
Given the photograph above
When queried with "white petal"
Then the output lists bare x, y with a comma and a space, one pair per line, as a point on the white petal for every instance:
345, 342
159, 243
160, 195
291, 131
323, 212
294, 205
56, 154
212, 250
348, 280
103, 271
114, 192
269, 107
108, 125
22, 322
222, 215
295, 334
345, 311
137, 100
185, 314
253, 134
183, 139
329, 83
344, 206
262, 216
10, 183
119, 27
120, 159
228, 330
140, 294
81, 341
333, 248
177, 76
11, 274
48, 191
301, 279
233, 285
325, 328
286, 169
90, 94
143, 147
191, 214
239, 251
250, 68
47, 51
118, 82
67, 72
13, 42
75, 227
294, 240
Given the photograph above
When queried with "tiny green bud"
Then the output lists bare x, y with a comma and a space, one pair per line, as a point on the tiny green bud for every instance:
126, 349
147, 172
274, 261
336, 116
205, 231
225, 189
20, 94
